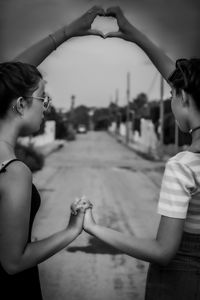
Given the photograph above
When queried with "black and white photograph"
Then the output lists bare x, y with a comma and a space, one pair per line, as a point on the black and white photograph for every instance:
100, 149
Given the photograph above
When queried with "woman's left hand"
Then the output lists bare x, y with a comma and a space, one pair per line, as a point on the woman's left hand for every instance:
82, 25
89, 221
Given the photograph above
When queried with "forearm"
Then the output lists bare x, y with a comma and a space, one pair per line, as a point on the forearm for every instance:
37, 252
162, 62
145, 249
38, 52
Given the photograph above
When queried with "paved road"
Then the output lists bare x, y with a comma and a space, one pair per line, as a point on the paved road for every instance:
124, 189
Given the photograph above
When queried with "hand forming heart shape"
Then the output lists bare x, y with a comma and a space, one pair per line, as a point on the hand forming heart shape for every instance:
114, 24
105, 25
113, 16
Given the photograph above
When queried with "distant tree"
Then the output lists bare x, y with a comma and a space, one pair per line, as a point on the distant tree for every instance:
113, 110
140, 105
154, 108
61, 127
141, 110
81, 116
101, 118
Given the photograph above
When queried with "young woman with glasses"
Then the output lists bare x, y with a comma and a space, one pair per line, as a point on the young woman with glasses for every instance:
174, 255
22, 106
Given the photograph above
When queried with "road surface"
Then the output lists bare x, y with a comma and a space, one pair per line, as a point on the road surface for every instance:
124, 189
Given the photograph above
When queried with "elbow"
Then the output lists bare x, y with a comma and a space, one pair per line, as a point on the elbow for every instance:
12, 268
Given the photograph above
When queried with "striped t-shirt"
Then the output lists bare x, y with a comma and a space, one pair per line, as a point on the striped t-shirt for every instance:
180, 190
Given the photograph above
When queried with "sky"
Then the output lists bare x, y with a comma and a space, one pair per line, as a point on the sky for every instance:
91, 68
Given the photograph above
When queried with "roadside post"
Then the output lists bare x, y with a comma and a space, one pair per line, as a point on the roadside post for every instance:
128, 108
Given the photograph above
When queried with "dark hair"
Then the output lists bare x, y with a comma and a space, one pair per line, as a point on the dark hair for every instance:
16, 79
187, 77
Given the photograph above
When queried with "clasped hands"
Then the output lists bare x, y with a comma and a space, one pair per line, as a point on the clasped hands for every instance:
81, 216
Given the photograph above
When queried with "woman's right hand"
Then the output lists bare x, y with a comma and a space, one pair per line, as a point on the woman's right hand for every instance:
76, 222
82, 25
126, 30
78, 209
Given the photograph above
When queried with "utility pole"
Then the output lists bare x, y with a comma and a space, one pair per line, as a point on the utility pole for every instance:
71, 115
161, 112
132, 112
116, 97
128, 107
117, 111
72, 106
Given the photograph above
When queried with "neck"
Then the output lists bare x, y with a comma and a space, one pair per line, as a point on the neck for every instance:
195, 133
7, 143
8, 134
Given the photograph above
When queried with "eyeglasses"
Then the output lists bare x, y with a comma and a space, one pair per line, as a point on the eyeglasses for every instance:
46, 100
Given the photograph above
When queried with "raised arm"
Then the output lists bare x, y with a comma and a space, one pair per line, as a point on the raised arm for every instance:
127, 31
80, 27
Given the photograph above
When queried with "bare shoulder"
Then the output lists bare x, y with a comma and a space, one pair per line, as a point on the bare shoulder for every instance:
17, 175
19, 166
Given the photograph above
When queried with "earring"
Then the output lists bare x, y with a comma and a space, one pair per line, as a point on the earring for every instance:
15, 110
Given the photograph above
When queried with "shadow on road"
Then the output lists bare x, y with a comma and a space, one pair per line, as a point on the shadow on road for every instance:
95, 247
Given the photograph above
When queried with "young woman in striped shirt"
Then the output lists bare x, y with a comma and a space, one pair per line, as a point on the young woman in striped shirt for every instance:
174, 255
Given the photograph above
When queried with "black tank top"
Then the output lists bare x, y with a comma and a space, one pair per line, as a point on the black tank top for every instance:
26, 284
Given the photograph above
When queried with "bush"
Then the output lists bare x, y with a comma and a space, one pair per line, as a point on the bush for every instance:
32, 158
